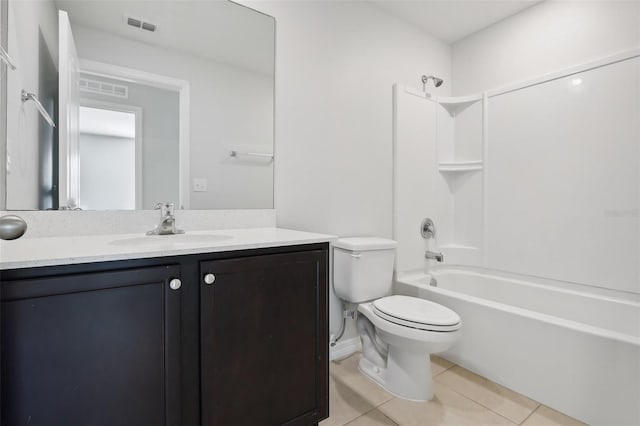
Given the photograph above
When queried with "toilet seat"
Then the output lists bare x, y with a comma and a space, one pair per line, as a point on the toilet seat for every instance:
416, 313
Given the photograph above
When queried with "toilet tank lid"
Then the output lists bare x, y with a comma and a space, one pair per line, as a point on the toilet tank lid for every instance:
364, 243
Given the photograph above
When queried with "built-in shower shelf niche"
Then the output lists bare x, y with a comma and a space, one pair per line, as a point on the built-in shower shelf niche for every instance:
456, 104
460, 166
461, 134
458, 174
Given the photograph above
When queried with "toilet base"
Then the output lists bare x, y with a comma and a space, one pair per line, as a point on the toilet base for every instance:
407, 375
373, 372
397, 357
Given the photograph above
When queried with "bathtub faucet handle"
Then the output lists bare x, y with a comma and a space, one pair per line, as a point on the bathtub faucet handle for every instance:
427, 229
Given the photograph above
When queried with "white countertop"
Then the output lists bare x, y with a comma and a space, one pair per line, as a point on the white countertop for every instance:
34, 252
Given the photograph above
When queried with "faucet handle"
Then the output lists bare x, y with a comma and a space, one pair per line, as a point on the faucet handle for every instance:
165, 208
427, 229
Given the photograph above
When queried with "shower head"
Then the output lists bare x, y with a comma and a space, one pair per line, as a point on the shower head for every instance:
436, 81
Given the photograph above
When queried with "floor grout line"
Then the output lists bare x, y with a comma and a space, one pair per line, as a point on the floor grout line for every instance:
446, 369
370, 410
390, 419
440, 373
357, 417
373, 409
373, 406
531, 413
482, 405
489, 408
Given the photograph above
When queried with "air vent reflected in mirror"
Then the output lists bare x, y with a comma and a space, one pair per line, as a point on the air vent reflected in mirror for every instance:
140, 23
134, 22
149, 27
103, 88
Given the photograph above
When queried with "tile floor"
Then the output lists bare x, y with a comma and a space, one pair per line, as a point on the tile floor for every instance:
462, 398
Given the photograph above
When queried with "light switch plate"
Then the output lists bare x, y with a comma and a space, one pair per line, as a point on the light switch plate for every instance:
199, 185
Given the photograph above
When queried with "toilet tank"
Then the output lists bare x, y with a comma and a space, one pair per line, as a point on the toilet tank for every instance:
363, 268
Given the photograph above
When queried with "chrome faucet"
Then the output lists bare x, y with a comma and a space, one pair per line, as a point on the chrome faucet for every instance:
433, 255
167, 225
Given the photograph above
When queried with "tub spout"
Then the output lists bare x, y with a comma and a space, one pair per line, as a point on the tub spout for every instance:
433, 255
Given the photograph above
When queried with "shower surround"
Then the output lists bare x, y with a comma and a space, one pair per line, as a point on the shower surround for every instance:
534, 189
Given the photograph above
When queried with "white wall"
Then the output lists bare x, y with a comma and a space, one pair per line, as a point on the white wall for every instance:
33, 44
542, 39
336, 63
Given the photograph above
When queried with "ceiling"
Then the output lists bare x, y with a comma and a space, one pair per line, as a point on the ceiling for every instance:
218, 30
453, 20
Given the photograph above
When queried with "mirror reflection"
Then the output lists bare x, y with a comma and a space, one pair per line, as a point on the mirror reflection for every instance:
152, 102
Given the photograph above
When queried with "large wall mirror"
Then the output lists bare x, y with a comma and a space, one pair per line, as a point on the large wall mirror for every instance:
119, 105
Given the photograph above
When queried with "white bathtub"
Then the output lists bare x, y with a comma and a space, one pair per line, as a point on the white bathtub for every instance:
574, 351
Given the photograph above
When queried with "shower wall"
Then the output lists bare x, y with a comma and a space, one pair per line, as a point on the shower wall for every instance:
418, 191
560, 181
563, 179
539, 179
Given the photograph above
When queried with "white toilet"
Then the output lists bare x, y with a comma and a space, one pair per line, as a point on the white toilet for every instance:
398, 332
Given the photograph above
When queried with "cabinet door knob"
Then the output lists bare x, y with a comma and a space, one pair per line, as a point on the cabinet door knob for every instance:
209, 278
175, 284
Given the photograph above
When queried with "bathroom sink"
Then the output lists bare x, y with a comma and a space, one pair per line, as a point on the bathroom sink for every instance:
173, 240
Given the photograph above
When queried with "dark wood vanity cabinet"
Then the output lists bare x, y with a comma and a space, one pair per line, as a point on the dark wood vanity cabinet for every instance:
120, 343
264, 339
91, 348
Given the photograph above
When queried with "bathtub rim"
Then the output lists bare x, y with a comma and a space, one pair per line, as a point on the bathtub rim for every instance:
592, 290
527, 281
415, 279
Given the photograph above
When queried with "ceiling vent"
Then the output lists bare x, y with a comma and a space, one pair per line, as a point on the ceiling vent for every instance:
140, 23
103, 88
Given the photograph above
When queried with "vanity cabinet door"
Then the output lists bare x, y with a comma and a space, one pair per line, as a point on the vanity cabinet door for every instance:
264, 340
92, 349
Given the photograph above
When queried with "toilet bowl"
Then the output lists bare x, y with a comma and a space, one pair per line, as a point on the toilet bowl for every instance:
406, 372
398, 333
